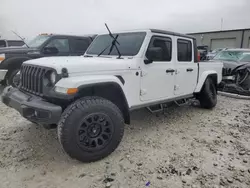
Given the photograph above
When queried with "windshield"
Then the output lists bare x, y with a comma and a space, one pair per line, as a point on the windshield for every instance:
129, 44
245, 57
217, 50
229, 55
37, 41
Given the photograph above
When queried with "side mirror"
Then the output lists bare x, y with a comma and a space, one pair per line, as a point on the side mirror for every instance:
50, 50
153, 54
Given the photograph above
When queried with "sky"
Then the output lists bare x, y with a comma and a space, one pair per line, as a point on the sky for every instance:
31, 17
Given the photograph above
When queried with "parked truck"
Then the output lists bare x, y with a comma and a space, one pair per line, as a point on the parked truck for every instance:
89, 98
44, 45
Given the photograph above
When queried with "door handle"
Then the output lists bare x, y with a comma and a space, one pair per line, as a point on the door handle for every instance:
190, 70
170, 70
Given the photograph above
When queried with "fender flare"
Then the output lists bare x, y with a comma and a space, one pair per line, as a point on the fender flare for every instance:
93, 81
203, 78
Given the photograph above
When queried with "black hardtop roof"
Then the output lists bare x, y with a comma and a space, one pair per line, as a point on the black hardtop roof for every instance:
172, 33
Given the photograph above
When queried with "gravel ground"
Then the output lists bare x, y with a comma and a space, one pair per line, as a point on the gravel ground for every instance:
185, 147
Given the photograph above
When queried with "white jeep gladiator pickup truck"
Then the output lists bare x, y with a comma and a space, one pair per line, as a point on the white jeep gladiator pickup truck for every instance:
90, 97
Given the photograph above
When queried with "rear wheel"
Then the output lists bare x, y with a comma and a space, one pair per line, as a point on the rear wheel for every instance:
90, 129
208, 94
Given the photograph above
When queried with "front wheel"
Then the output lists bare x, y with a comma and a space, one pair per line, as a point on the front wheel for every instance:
90, 129
208, 95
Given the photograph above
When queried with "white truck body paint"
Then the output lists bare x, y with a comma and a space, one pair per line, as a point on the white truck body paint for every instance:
144, 83
205, 70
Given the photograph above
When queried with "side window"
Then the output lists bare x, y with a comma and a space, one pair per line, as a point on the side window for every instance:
2, 43
79, 45
15, 43
184, 48
61, 44
165, 44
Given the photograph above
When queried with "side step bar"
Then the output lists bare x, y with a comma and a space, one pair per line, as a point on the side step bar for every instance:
160, 107
155, 108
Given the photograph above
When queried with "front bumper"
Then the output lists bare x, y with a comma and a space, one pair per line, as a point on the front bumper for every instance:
31, 107
3, 73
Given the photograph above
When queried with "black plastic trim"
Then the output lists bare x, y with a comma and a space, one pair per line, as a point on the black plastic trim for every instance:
195, 51
121, 79
126, 113
26, 104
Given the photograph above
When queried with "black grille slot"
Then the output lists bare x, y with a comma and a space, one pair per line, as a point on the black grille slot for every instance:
226, 72
32, 79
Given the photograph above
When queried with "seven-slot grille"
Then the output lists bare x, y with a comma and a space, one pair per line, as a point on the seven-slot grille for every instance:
32, 79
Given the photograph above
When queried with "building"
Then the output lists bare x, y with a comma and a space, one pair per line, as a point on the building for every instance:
238, 38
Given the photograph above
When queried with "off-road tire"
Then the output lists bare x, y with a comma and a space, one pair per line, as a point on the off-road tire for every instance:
10, 77
72, 118
208, 95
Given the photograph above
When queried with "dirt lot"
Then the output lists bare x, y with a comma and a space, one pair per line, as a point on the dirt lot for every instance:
186, 147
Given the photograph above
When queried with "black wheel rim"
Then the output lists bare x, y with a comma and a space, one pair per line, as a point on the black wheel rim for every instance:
95, 132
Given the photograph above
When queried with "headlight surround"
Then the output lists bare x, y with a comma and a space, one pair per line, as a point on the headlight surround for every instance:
2, 57
53, 77
49, 78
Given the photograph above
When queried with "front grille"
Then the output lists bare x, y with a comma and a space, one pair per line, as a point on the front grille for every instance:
32, 79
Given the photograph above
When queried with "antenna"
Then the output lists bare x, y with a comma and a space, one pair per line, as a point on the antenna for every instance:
20, 38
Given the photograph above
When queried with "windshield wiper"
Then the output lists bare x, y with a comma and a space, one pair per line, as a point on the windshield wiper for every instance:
112, 45
20, 38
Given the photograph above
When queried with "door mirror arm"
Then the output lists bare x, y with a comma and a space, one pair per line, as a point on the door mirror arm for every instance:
147, 61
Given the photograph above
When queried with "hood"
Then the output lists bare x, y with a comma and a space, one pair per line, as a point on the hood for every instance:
242, 66
229, 67
80, 64
16, 50
229, 64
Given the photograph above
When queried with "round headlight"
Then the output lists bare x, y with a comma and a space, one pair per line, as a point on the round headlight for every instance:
53, 77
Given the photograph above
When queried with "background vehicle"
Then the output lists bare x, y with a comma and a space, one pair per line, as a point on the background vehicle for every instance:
212, 54
231, 58
43, 45
236, 71
90, 97
10, 43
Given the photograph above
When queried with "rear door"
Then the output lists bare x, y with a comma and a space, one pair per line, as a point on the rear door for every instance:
157, 78
78, 46
186, 69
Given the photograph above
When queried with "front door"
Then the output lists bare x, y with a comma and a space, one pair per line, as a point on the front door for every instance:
61, 44
157, 78
186, 69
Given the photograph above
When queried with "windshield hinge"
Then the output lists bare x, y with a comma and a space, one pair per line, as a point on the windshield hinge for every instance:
142, 92
143, 73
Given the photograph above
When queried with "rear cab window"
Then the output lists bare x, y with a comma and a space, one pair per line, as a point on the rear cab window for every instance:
184, 50
3, 43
